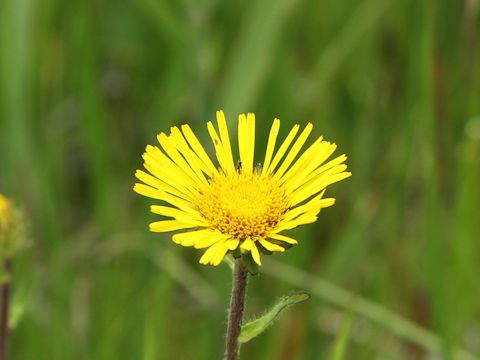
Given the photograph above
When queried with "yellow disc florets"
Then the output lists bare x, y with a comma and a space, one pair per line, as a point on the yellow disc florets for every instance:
243, 205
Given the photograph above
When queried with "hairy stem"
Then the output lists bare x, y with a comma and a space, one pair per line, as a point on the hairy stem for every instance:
5, 301
237, 302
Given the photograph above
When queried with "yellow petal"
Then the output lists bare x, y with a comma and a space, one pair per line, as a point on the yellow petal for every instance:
208, 241
169, 225
283, 148
159, 165
327, 202
210, 253
179, 215
315, 186
332, 167
172, 152
296, 211
232, 244
246, 141
181, 204
198, 148
306, 218
195, 162
225, 163
306, 164
272, 139
294, 151
269, 246
255, 254
161, 185
214, 254
200, 239
283, 238
224, 137
332, 163
190, 238
246, 244
148, 191
219, 254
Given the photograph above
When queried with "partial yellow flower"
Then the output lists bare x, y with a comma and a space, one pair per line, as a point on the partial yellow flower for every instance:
5, 214
237, 207
12, 235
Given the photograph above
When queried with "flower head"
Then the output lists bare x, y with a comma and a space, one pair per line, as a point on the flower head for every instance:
5, 214
237, 206
12, 237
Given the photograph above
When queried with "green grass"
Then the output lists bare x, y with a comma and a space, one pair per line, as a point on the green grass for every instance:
84, 86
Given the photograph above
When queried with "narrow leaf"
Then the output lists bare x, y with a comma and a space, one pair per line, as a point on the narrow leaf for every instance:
257, 326
340, 346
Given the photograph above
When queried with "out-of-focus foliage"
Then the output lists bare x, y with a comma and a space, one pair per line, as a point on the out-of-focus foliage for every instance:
84, 85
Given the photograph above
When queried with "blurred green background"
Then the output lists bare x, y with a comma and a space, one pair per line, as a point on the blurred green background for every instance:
85, 85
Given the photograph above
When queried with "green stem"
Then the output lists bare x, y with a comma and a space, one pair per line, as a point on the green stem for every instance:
235, 313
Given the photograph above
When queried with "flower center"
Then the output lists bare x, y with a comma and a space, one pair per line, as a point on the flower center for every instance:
243, 205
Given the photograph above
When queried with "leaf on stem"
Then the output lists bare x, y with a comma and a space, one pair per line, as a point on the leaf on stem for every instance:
256, 327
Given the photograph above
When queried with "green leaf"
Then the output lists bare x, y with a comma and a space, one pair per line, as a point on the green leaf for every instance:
250, 264
257, 326
340, 346
229, 260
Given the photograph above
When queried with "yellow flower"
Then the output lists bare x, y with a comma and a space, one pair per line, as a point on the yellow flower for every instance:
12, 237
5, 214
239, 207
